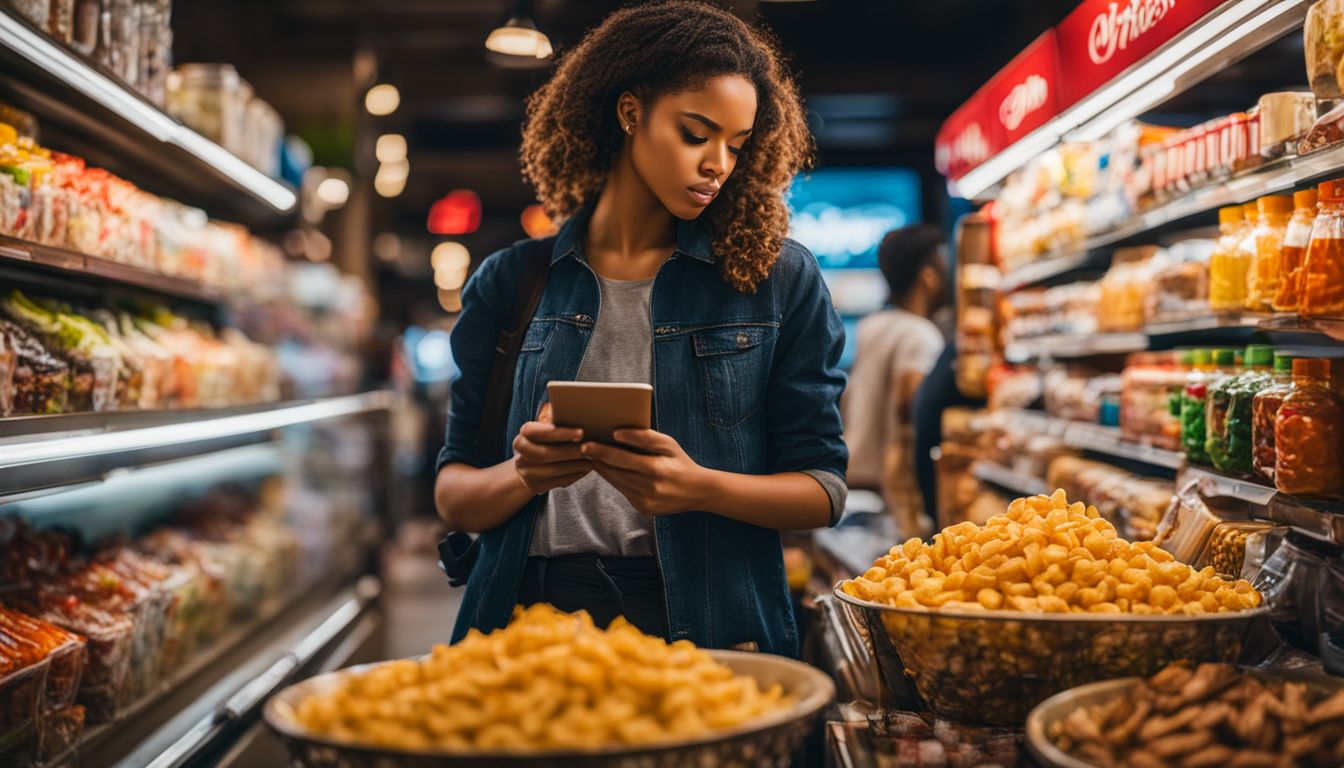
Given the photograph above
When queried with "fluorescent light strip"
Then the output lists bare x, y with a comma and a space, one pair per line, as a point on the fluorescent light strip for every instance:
68, 68
44, 449
1132, 94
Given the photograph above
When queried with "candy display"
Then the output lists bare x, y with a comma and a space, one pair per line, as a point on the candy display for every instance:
1209, 715
549, 680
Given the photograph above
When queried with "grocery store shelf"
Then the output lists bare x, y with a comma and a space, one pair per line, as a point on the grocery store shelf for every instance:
46, 451
1329, 328
78, 266
79, 102
199, 703
1050, 267
1089, 437
1209, 329
1321, 519
1007, 479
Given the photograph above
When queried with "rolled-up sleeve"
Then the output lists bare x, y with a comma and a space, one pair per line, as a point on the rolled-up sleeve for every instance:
473, 342
803, 398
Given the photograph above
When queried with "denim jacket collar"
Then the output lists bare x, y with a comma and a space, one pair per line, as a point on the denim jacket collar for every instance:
694, 237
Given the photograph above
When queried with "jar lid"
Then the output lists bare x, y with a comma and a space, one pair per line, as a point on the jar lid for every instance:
1283, 363
1225, 357
1201, 357
1187, 357
1259, 355
1311, 368
1304, 198
1230, 215
1275, 204
1250, 211
1331, 191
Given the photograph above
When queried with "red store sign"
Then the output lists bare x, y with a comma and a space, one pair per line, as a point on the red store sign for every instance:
1025, 94
1103, 38
968, 138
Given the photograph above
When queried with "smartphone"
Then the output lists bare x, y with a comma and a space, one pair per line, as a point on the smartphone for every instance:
600, 408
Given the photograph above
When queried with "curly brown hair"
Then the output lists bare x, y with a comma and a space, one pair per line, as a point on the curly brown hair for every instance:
571, 137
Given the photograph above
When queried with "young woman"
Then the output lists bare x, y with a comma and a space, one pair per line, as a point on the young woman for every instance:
665, 141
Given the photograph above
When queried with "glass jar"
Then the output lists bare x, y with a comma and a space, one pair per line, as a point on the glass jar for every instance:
1263, 276
1193, 430
1308, 431
1295, 241
1258, 370
1322, 283
1215, 405
1264, 407
1227, 268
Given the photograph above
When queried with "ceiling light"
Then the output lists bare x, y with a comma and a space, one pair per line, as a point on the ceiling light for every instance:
391, 178
72, 71
333, 191
449, 256
391, 148
519, 37
382, 99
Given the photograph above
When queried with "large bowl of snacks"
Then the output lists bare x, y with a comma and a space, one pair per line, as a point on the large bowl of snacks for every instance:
988, 621
553, 689
1211, 715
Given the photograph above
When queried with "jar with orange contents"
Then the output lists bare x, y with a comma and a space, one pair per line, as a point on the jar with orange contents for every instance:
1264, 407
1309, 434
1294, 251
1263, 275
1322, 283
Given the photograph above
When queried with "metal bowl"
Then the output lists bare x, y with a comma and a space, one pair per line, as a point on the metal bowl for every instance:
992, 667
1061, 705
767, 741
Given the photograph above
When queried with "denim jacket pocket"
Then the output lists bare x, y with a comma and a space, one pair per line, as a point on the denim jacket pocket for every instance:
734, 362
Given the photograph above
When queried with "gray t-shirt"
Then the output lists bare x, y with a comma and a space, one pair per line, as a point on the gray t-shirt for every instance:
590, 516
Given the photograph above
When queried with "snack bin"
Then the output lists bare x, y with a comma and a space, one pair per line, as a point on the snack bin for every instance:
21, 711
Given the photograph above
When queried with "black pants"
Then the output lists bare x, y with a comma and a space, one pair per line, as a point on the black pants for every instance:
605, 587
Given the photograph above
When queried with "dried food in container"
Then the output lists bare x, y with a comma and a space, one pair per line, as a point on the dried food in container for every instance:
41, 382
1309, 434
1285, 117
1322, 280
109, 635
1293, 255
9, 361
21, 686
1327, 131
95, 364
1324, 47
1230, 542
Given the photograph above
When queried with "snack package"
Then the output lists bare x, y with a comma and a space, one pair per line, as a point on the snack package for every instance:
1186, 528
1328, 130
1234, 544
41, 380
1330, 607
1290, 583
1324, 47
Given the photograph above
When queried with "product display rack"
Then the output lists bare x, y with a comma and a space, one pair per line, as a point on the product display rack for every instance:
82, 107
101, 473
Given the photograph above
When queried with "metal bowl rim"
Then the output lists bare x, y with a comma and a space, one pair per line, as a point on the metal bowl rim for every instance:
1052, 618
803, 709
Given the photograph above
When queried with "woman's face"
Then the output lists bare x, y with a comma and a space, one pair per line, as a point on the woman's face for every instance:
686, 144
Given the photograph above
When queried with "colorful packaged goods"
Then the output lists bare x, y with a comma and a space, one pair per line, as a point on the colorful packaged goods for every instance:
1293, 254
1216, 401
1264, 409
38, 382
1309, 434
1229, 263
1322, 283
1263, 276
1150, 399
1194, 432
1242, 389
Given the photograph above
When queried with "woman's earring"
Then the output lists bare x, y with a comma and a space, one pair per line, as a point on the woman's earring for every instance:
630, 128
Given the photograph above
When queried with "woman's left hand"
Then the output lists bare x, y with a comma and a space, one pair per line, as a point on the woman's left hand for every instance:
661, 481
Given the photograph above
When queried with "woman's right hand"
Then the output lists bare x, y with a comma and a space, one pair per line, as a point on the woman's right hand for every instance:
549, 457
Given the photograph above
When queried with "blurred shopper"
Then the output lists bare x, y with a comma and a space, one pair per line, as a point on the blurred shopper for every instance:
665, 141
895, 348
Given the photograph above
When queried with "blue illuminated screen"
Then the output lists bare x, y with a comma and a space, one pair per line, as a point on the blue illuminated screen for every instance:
841, 214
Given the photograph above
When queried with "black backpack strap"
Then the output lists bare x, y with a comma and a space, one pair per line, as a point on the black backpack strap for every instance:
499, 387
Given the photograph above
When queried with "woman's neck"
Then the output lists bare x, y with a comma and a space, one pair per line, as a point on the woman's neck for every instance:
630, 233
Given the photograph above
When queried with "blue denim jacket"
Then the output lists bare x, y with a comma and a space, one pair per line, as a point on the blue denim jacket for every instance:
745, 382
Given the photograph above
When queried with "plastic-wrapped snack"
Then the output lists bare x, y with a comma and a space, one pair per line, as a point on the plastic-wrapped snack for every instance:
95, 362
1284, 118
9, 361
202, 611
109, 636
1328, 130
21, 684
61, 730
145, 605
41, 380
64, 651
1330, 606
1186, 528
